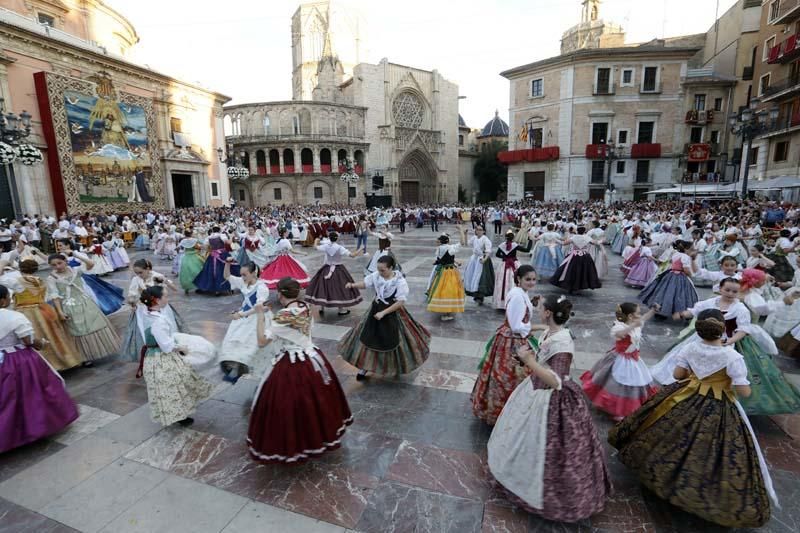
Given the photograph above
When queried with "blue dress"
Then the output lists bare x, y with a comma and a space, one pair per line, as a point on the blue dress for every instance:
108, 297
211, 278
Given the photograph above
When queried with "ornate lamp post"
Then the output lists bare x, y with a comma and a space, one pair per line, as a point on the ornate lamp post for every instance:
611, 153
13, 130
749, 124
234, 163
349, 177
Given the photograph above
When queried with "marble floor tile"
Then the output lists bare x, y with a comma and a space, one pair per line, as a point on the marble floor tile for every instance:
90, 420
120, 397
179, 450
445, 379
133, 428
363, 452
329, 331
257, 516
179, 505
15, 461
98, 500
457, 346
241, 393
452, 472
48, 479
790, 424
16, 519
221, 418
394, 508
497, 519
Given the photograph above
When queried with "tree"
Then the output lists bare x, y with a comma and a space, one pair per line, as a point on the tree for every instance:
492, 175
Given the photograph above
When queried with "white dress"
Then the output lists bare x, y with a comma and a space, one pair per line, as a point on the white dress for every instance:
481, 247
240, 344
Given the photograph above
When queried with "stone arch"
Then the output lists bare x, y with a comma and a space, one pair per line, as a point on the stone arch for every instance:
274, 161
242, 194
266, 193
327, 192
325, 161
417, 175
307, 160
286, 122
261, 162
288, 160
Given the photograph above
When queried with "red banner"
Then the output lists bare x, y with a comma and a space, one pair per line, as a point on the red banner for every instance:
699, 152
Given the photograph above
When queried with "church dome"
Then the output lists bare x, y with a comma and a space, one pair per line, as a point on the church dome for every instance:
461, 123
496, 127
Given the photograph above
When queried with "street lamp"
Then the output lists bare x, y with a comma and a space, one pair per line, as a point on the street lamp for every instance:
234, 163
349, 176
14, 129
611, 153
749, 124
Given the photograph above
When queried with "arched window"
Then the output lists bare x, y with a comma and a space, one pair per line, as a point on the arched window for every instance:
341, 155
358, 155
261, 162
288, 161
266, 125
227, 125
307, 160
274, 162
325, 161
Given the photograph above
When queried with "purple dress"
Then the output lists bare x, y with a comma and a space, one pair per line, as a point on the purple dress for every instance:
33, 400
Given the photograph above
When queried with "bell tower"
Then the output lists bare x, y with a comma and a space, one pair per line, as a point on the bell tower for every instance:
591, 11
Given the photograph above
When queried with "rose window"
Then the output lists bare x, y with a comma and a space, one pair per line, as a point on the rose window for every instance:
407, 111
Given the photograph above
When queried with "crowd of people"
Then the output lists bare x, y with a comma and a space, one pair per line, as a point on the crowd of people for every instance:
675, 422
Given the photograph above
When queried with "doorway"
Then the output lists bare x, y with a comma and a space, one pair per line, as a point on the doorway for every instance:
182, 190
409, 192
6, 192
534, 185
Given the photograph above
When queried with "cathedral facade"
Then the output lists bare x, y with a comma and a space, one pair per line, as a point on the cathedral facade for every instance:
395, 126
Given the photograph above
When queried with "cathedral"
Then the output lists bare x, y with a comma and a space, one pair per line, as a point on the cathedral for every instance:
395, 127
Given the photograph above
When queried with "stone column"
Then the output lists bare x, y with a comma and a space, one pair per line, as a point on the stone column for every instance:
317, 164
280, 160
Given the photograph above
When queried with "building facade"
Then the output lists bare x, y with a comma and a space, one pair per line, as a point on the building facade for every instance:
61, 58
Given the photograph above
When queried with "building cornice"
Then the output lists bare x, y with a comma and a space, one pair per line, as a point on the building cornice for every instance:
314, 103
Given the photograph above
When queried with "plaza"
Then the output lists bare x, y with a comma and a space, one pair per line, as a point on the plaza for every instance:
413, 460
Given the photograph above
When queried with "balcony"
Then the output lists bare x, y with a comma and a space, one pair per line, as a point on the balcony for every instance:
261, 170
646, 151
604, 90
781, 89
288, 169
694, 116
774, 53
786, 122
702, 177
325, 169
788, 12
784, 52
274, 169
534, 155
595, 151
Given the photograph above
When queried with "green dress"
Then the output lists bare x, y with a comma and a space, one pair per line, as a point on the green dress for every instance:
191, 265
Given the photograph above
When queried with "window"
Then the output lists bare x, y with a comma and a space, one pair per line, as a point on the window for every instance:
781, 151
717, 104
699, 102
351, 192
774, 10
753, 156
642, 171
598, 171
714, 136
266, 125
277, 194
696, 135
622, 137
620, 167
47, 20
537, 88
175, 124
241, 195
214, 189
317, 193
295, 127
535, 136
769, 44
461, 140
646, 131
650, 80
763, 84
599, 132
627, 77
603, 81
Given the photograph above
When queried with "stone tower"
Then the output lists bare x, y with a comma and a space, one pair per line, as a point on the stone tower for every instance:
592, 32
323, 30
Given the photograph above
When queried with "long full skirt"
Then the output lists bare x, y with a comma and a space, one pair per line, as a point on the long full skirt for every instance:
285, 266
600, 258
211, 278
240, 345
446, 291
174, 388
479, 278
108, 297
94, 335
701, 456
299, 412
673, 291
133, 340
545, 452
61, 352
408, 354
327, 289
191, 266
547, 260
619, 384
503, 283
642, 273
576, 273
33, 400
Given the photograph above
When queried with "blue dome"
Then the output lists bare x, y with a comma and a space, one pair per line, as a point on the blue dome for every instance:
496, 127
461, 123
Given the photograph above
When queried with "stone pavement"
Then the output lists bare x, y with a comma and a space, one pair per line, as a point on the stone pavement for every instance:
414, 460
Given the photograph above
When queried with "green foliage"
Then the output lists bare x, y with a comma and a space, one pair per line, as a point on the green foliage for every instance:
492, 175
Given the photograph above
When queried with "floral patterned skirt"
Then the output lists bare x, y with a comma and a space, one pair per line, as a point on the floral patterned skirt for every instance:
174, 388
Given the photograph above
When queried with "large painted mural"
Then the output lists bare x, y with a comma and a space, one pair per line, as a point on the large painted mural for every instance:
106, 143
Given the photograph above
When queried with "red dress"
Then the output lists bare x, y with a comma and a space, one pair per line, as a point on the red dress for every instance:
284, 266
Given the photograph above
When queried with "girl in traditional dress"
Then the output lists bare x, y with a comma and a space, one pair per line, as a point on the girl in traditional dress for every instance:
143, 277
300, 410
115, 248
778, 251
728, 268
97, 255
239, 347
384, 248
191, 263
285, 266
108, 297
577, 272
498, 373
142, 241
548, 253
479, 274
620, 382
169, 249
692, 444
326, 288
672, 290
210, 279
387, 341
772, 392
30, 298
445, 292
544, 450
174, 388
643, 268
255, 249
33, 399
597, 251
93, 333
504, 277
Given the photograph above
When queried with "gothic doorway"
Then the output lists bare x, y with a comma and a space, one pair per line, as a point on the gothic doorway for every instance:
182, 190
417, 174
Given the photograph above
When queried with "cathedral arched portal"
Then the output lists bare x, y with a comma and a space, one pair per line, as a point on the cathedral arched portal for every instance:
417, 174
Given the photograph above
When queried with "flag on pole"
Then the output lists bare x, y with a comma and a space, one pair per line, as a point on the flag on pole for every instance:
523, 135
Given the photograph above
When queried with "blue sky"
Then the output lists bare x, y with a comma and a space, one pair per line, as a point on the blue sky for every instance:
244, 50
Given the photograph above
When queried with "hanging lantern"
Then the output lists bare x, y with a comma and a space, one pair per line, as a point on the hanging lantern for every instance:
29, 155
7, 154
